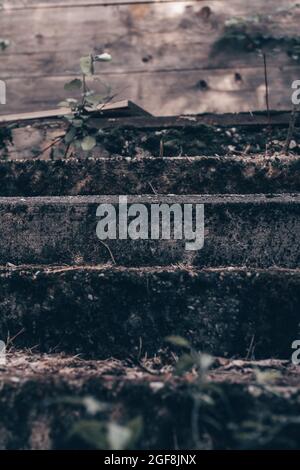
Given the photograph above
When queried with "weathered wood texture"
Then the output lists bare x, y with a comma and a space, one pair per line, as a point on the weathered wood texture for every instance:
165, 54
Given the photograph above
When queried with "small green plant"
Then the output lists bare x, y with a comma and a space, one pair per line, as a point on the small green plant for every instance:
80, 134
204, 394
235, 416
191, 359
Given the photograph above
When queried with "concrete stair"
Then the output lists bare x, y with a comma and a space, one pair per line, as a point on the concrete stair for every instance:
100, 311
247, 174
63, 293
251, 230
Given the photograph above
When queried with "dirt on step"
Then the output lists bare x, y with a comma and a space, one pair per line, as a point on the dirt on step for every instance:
193, 141
36, 139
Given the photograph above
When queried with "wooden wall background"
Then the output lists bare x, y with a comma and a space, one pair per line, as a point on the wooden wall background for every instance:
164, 54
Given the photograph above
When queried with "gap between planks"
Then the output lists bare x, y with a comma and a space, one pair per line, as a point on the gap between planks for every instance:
80, 4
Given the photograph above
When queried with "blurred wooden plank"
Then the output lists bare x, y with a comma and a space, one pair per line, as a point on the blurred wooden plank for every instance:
147, 39
139, 37
167, 93
132, 28
85, 29
150, 43
118, 109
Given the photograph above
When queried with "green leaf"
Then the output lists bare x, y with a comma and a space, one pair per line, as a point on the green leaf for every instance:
90, 433
75, 84
57, 152
86, 65
125, 437
68, 103
63, 104
178, 341
88, 143
93, 406
70, 135
136, 427
118, 436
94, 99
69, 117
205, 361
77, 143
77, 123
184, 364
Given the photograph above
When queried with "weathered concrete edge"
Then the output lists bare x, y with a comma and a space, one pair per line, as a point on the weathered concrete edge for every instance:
177, 175
288, 198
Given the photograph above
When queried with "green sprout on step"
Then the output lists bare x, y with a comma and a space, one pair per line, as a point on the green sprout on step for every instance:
190, 359
205, 396
80, 133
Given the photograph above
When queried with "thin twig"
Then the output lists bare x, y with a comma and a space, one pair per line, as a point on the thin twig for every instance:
267, 88
11, 340
267, 98
161, 149
250, 350
84, 91
146, 369
291, 128
55, 141
109, 250
67, 150
150, 184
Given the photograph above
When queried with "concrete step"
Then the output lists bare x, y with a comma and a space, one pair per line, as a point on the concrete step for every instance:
181, 175
105, 311
55, 402
253, 230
